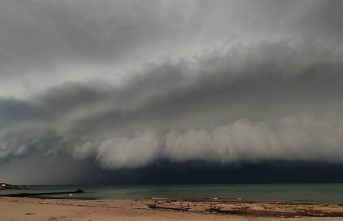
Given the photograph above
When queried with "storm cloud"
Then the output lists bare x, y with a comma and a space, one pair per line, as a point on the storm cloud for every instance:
128, 84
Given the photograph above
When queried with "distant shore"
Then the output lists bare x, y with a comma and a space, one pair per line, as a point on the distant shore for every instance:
61, 209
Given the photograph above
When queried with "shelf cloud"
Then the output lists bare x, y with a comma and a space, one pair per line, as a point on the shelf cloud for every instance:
128, 84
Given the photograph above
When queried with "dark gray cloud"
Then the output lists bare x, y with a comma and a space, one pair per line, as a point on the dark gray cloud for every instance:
275, 104
44, 43
37, 169
131, 83
321, 21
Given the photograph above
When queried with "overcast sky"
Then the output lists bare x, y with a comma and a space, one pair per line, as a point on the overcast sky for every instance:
112, 85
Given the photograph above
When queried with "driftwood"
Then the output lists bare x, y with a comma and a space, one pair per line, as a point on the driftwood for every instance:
152, 206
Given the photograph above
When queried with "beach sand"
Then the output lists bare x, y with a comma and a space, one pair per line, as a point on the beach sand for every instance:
15, 209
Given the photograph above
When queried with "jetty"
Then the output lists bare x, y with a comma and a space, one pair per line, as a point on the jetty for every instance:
40, 194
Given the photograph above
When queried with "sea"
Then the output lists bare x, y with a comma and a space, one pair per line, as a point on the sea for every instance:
283, 193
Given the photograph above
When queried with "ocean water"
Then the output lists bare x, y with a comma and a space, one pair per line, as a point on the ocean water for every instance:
295, 193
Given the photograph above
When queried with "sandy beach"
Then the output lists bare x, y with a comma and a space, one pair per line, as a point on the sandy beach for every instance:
15, 209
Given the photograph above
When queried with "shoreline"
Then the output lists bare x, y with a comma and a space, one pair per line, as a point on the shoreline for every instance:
149, 208
203, 200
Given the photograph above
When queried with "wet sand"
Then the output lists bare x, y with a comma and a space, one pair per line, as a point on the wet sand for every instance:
29, 209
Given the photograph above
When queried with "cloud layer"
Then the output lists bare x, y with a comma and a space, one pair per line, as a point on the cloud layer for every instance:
128, 84
207, 108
